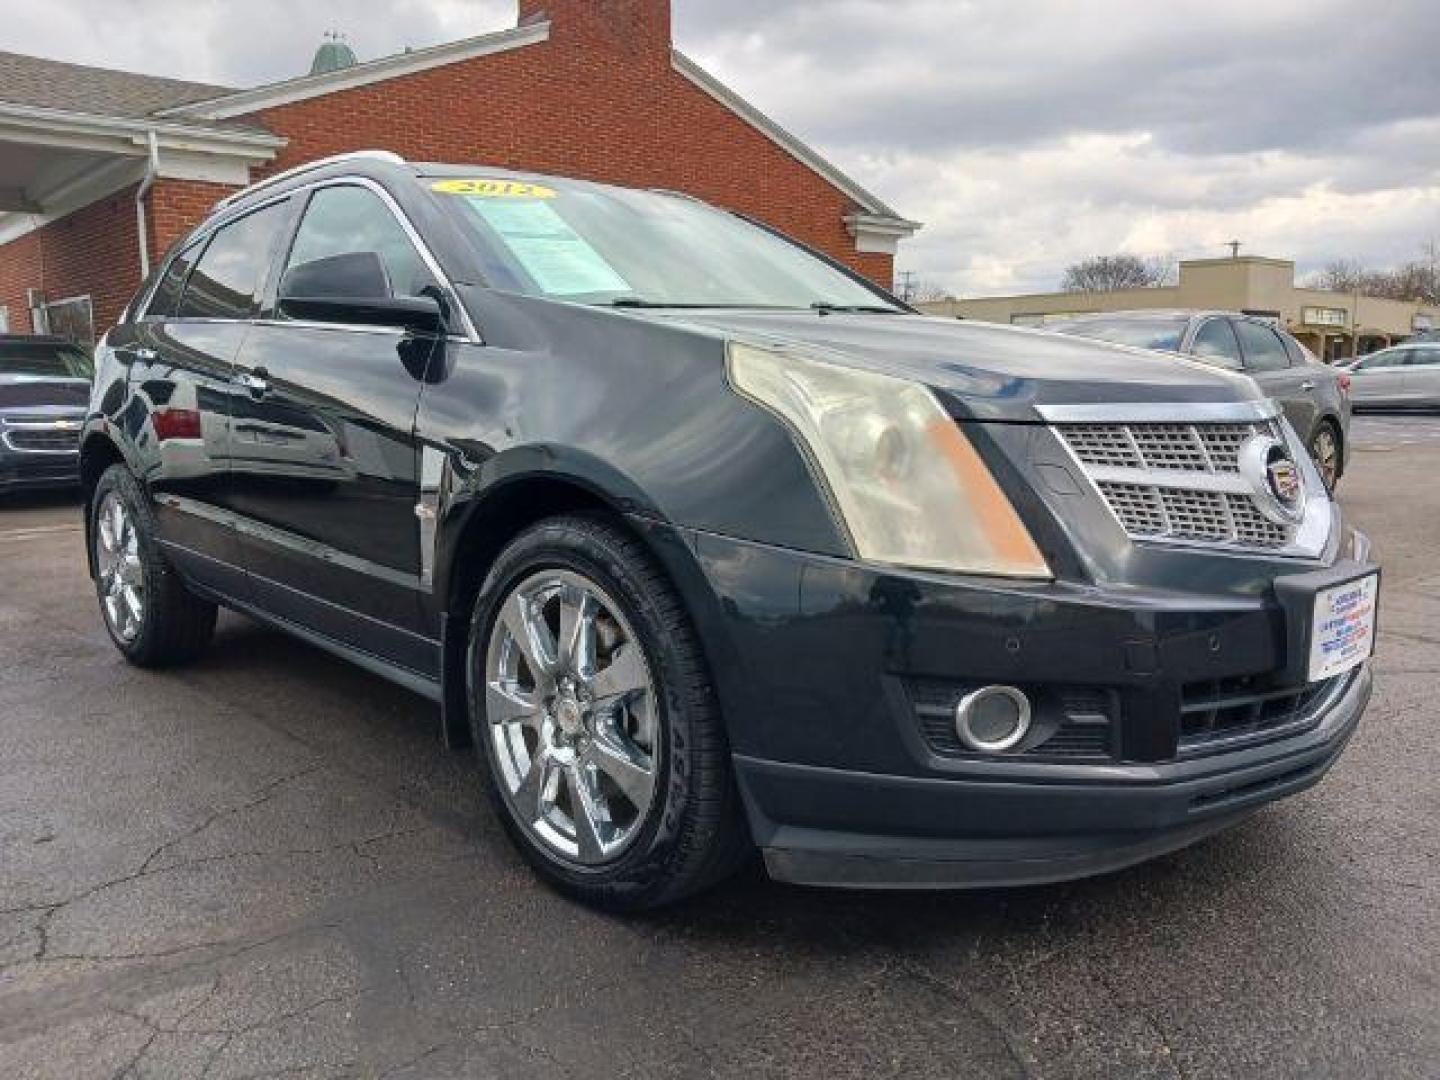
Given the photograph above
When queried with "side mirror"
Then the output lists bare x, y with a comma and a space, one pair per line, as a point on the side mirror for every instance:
354, 288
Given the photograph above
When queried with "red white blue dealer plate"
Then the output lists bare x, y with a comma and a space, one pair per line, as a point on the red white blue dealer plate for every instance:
1342, 634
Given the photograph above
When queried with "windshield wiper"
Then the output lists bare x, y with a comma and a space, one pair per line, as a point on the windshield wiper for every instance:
824, 307
641, 302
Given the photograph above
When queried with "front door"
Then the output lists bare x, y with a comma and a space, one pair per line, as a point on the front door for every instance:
1267, 361
326, 469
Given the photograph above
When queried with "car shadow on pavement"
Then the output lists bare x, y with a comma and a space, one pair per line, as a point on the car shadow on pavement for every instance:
365, 725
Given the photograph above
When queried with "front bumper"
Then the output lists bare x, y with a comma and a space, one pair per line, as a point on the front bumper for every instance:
25, 472
817, 661
1017, 833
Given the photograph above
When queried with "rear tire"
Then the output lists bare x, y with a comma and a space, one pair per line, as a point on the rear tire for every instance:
545, 712
154, 620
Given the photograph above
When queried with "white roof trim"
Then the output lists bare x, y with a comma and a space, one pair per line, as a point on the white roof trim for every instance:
243, 102
782, 138
49, 125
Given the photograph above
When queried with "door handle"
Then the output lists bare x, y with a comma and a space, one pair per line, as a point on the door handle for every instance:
1307, 385
142, 353
256, 384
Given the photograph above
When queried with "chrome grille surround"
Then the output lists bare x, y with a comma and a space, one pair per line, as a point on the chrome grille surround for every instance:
1171, 473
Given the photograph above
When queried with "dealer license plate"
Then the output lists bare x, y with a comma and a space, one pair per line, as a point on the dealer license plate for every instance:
1342, 627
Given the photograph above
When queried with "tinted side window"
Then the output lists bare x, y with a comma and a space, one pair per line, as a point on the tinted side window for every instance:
166, 298
1216, 342
1297, 354
348, 220
1388, 359
1263, 350
227, 279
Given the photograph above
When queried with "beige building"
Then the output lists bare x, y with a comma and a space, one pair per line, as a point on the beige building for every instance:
1331, 324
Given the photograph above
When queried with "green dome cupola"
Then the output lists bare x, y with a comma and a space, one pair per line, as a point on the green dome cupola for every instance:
334, 54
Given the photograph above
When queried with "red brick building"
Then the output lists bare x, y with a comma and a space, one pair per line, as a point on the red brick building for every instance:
100, 171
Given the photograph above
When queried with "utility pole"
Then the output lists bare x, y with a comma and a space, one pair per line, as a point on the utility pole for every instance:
1234, 246
906, 285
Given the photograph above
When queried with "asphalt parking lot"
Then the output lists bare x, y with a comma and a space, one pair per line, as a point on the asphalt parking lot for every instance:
266, 865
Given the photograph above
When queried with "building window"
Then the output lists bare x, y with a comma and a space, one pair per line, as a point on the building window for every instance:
4, 319
72, 319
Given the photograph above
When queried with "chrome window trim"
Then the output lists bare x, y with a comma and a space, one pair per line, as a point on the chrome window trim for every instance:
1173, 412
231, 213
386, 156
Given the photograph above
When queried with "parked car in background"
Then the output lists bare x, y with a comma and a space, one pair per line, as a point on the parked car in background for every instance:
1401, 377
44, 389
1313, 394
709, 544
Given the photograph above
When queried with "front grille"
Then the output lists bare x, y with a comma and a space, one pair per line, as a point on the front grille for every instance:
1068, 723
1224, 714
43, 440
1177, 481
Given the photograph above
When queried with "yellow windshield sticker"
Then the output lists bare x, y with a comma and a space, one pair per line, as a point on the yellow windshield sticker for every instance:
493, 189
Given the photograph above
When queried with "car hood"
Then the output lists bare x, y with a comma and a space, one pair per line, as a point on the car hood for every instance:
988, 371
30, 393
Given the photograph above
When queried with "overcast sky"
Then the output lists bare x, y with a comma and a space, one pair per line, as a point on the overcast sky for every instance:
1024, 133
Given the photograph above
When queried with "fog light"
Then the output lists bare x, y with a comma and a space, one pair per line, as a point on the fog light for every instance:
992, 719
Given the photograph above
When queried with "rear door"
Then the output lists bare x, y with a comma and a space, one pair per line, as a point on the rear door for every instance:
1267, 361
181, 356
326, 471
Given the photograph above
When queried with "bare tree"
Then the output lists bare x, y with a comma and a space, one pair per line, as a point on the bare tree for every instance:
1418, 279
1103, 273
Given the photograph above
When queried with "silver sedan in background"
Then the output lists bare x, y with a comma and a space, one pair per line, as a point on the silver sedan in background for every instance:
1403, 376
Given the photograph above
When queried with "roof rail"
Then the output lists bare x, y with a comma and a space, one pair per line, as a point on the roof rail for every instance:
355, 155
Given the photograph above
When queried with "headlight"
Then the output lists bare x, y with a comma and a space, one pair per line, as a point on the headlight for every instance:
904, 480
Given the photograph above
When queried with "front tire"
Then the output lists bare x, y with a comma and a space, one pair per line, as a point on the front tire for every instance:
150, 615
1325, 449
599, 733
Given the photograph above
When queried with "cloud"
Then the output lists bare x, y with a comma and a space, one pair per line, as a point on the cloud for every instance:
1025, 133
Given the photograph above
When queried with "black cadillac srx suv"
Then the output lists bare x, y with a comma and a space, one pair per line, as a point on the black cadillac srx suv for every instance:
709, 545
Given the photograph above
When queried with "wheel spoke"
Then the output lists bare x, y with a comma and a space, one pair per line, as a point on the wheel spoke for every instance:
531, 635
589, 816
625, 674
106, 528
631, 770
508, 705
536, 794
577, 629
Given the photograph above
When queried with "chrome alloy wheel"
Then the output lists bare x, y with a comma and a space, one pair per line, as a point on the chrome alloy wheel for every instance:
1325, 449
572, 715
117, 560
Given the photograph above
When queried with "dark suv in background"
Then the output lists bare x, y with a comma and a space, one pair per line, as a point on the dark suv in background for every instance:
44, 389
709, 544
1314, 395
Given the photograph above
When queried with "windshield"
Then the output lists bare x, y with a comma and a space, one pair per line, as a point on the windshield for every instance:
1158, 332
48, 360
598, 245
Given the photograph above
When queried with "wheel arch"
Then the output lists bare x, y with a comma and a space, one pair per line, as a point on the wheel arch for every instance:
489, 522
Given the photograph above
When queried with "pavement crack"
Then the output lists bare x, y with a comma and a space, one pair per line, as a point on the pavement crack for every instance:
263, 795
977, 1005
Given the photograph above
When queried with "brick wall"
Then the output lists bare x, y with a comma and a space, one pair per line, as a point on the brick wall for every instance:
94, 251
91, 252
599, 100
